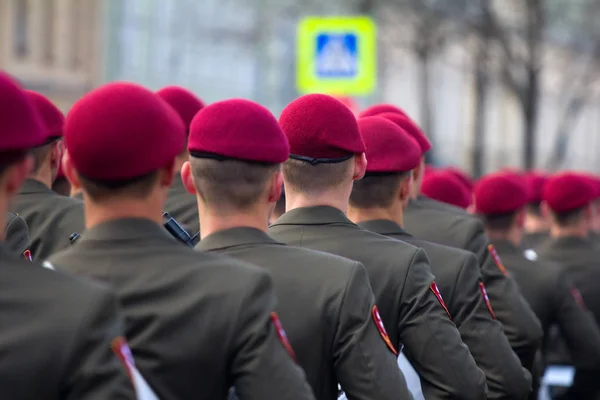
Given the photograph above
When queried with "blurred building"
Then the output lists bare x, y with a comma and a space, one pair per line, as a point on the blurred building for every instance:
53, 46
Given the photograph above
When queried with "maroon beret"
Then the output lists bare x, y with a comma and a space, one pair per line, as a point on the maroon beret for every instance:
389, 148
568, 191
52, 117
238, 129
183, 101
535, 185
21, 125
500, 193
321, 129
380, 109
411, 128
122, 131
462, 177
445, 187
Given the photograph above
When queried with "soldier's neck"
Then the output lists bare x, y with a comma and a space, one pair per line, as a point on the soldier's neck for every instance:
43, 175
370, 214
111, 209
336, 198
216, 221
580, 230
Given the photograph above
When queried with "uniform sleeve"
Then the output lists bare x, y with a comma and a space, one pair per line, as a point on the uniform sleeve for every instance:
365, 364
577, 325
521, 326
262, 367
506, 378
94, 371
432, 342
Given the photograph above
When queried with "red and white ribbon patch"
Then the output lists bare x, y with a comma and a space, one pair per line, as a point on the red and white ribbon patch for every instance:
578, 298
497, 259
282, 335
27, 255
382, 331
436, 291
486, 299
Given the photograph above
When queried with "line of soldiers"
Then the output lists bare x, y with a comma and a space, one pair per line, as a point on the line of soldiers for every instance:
360, 266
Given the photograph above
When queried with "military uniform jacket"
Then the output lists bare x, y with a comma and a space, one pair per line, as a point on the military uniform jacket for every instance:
521, 326
555, 301
459, 280
51, 218
326, 305
56, 336
182, 206
16, 234
404, 293
197, 323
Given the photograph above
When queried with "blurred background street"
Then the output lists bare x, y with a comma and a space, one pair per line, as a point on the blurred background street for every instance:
504, 83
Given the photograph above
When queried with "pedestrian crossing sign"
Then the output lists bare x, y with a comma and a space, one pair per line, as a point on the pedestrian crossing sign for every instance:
336, 55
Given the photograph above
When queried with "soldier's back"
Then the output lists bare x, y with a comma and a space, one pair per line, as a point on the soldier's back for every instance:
326, 305
51, 218
197, 323
56, 336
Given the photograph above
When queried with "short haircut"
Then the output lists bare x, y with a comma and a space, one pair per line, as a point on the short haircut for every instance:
230, 184
40, 154
499, 222
377, 190
138, 188
305, 177
569, 218
535, 208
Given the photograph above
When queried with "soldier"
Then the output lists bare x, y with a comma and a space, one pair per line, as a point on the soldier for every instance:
57, 331
569, 198
327, 156
197, 323
377, 204
325, 301
446, 188
51, 218
451, 226
537, 223
180, 204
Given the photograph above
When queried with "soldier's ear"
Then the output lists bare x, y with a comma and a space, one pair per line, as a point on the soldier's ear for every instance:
12, 178
520, 218
187, 178
545, 210
70, 172
166, 174
360, 166
276, 183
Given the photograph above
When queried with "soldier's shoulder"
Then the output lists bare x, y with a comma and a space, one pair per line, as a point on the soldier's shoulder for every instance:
448, 254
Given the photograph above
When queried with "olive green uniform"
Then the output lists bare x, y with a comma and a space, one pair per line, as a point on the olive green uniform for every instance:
459, 280
405, 294
326, 305
197, 323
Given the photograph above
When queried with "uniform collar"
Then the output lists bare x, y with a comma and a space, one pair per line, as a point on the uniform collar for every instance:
126, 229
384, 227
232, 237
34, 186
318, 215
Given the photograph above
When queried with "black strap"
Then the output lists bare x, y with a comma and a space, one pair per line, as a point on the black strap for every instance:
315, 161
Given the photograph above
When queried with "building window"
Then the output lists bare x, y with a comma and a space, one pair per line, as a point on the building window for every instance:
21, 28
48, 30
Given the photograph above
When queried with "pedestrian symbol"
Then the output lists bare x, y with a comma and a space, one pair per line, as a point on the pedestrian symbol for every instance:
336, 56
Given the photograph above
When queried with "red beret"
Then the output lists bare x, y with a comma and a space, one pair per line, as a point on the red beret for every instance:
500, 193
238, 129
389, 148
445, 187
568, 191
380, 109
535, 185
121, 131
52, 117
462, 177
184, 102
22, 127
320, 127
411, 128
